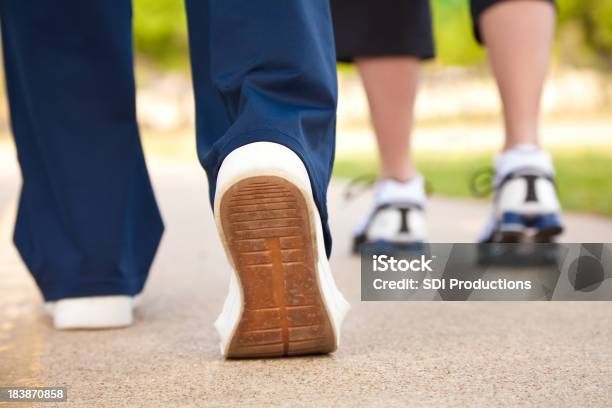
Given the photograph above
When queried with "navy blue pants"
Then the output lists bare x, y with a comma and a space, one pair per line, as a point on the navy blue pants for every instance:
88, 223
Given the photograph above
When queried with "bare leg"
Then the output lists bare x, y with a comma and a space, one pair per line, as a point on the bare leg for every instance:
518, 35
391, 86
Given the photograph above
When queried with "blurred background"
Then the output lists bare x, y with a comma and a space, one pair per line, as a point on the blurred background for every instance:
411, 355
457, 109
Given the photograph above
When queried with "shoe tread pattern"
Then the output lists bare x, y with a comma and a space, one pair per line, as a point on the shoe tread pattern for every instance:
266, 225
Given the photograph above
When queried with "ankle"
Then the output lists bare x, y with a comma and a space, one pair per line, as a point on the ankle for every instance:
521, 146
401, 175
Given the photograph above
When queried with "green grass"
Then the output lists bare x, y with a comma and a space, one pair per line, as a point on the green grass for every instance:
584, 175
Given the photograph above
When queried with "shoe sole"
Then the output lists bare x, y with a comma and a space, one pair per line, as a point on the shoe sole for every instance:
515, 228
268, 234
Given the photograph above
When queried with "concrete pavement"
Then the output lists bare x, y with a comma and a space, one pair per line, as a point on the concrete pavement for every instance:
392, 354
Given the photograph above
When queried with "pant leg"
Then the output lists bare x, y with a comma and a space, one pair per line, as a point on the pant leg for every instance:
375, 28
87, 221
265, 71
477, 7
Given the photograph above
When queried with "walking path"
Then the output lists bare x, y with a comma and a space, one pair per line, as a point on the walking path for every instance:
392, 354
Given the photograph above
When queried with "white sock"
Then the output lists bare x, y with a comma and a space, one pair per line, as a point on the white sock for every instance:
392, 191
522, 156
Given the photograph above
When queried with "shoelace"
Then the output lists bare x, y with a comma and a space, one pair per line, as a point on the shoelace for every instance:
481, 181
358, 185
362, 183
481, 184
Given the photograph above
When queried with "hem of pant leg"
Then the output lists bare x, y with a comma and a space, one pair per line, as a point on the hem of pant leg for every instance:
269, 134
351, 58
477, 12
53, 292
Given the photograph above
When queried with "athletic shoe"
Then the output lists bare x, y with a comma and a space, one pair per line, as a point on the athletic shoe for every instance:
397, 218
94, 312
282, 298
525, 205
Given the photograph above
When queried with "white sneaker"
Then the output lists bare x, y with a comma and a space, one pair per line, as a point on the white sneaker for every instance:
397, 218
525, 204
93, 312
282, 298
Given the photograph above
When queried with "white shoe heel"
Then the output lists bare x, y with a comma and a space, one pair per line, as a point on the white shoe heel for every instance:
282, 298
95, 312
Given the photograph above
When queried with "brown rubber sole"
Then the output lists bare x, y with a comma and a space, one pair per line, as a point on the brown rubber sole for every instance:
266, 225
